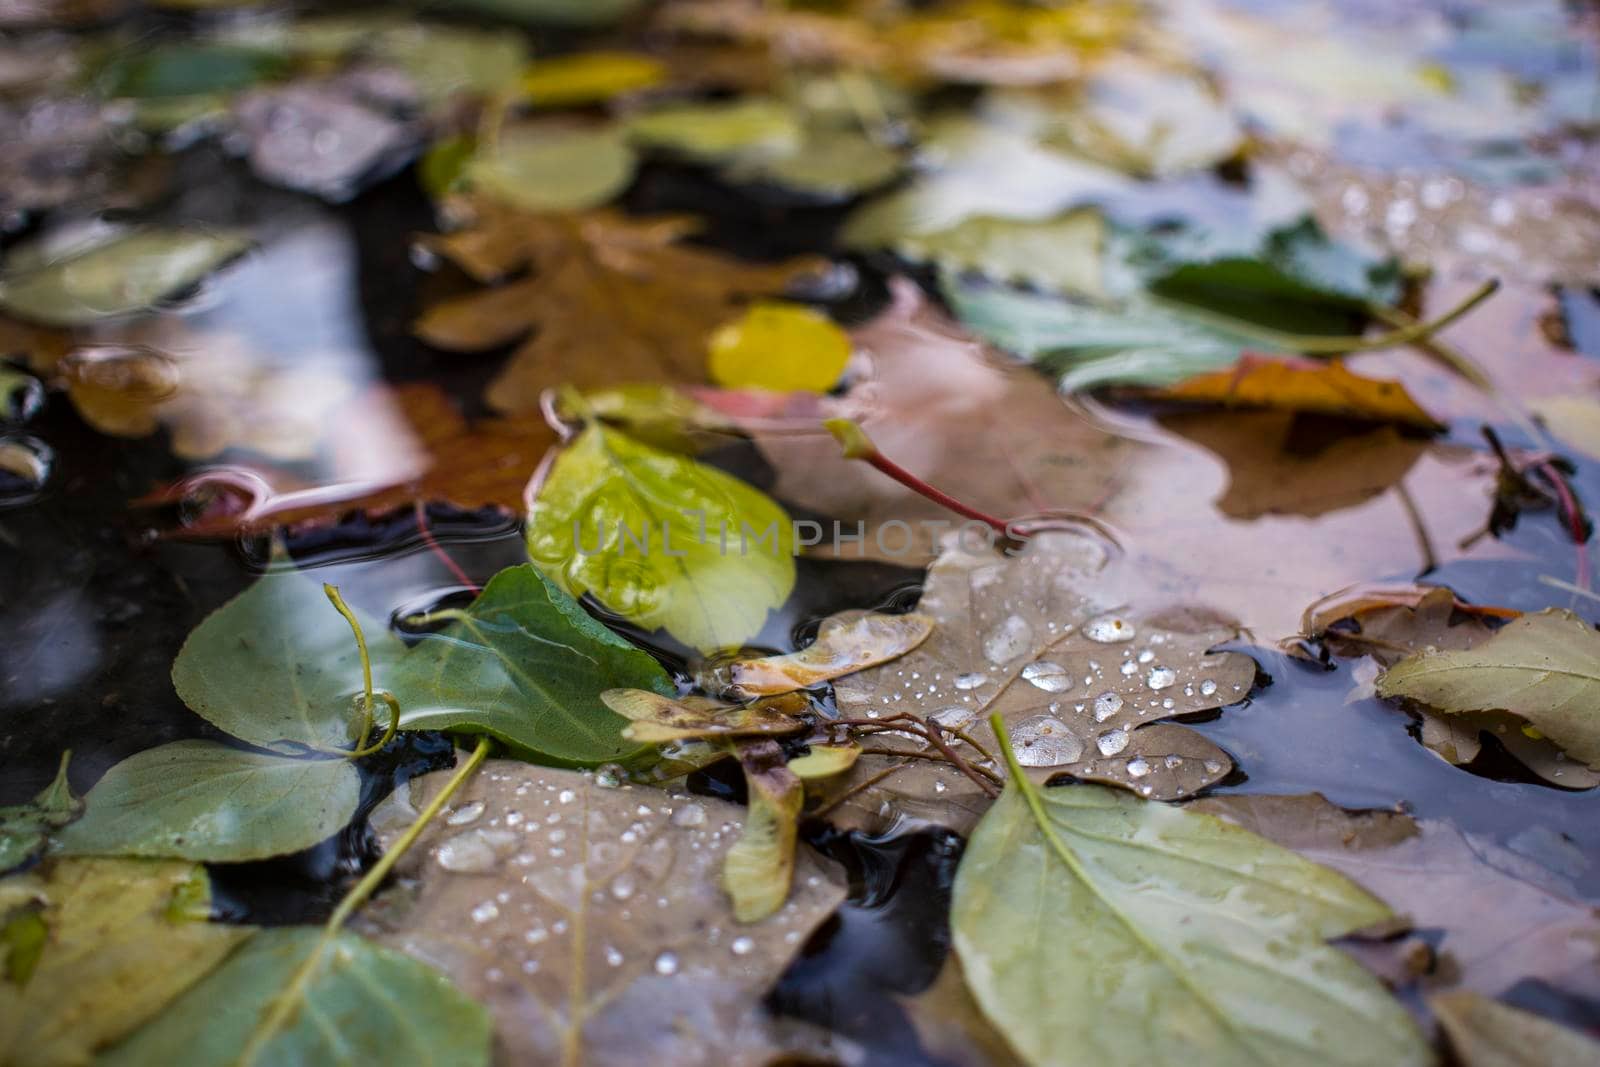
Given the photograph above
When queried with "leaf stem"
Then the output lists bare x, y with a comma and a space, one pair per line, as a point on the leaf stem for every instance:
857, 445
426, 533
283, 1006
334, 598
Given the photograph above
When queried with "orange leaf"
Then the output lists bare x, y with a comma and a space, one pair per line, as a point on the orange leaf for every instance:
1303, 386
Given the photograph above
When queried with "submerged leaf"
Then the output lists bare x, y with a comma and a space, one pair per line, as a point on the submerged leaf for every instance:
1544, 668
199, 800
662, 540
112, 273
1164, 936
363, 1004
24, 827
1485, 1033
524, 664
589, 920
122, 943
781, 347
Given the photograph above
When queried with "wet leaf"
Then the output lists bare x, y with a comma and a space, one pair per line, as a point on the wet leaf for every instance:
822, 762
589, 77
199, 800
553, 166
188, 69
110, 273
525, 664
1162, 761
1573, 419
277, 666
845, 643
720, 131
364, 1003
1041, 638
24, 827
599, 283
951, 1026
779, 346
642, 530
1064, 253
1216, 939
555, 12
656, 719
1502, 917
541, 893
759, 867
123, 941
1303, 386
1543, 668
1484, 1033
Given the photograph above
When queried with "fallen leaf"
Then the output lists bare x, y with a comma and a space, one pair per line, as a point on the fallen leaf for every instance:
952, 1027
759, 867
524, 664
1302, 386
362, 1003
1484, 1033
1573, 419
658, 719
1163, 761
24, 827
87, 277
187, 68
599, 283
277, 666
199, 800
1040, 638
780, 347
124, 940
552, 165
569, 943
1502, 917
578, 13
607, 492
589, 77
1199, 942
845, 643
1064, 254
720, 130
1543, 668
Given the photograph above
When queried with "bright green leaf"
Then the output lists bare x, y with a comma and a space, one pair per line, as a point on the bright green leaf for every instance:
114, 273
525, 664
24, 827
1090, 922
200, 800
276, 665
1544, 668
363, 1005
643, 530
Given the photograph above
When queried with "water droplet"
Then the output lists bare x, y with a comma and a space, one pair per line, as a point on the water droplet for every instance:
613, 956
691, 814
666, 964
1168, 704
1208, 688
1106, 705
488, 911
474, 852
1112, 741
566, 796
954, 717
1137, 767
1012, 638
623, 885
608, 776
1044, 742
1146, 656
1109, 629
1051, 677
970, 681
1213, 767
939, 787
536, 935
1173, 762
742, 946
1160, 677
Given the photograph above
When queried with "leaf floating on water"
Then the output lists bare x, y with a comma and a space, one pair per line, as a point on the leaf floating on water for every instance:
113, 272
644, 531
760, 865
1164, 937
1303, 386
1485, 1033
1543, 668
824, 761
599, 283
781, 347
552, 166
845, 644
363, 1004
524, 663
1162, 761
24, 827
589, 77
276, 666
657, 719
125, 937
589, 919
199, 800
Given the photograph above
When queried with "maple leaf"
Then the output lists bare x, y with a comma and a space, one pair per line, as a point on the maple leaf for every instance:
608, 299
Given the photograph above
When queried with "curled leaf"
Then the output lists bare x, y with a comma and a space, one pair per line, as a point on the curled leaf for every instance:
824, 761
844, 644
760, 865
658, 719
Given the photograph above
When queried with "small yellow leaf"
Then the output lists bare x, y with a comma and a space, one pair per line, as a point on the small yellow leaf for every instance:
589, 78
824, 761
1574, 419
779, 346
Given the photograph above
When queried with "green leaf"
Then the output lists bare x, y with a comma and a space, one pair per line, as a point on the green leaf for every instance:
363, 1005
190, 69
200, 800
24, 827
1544, 668
1065, 253
826, 163
1486, 1033
525, 664
644, 531
1091, 922
113, 273
1088, 344
277, 665
719, 132
760, 865
122, 942
554, 167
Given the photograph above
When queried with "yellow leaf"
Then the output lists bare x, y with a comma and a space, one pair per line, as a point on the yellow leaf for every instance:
1303, 386
779, 346
589, 77
1574, 419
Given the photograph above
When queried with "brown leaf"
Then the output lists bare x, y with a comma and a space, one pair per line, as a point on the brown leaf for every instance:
1503, 917
1486, 1033
597, 283
590, 922
845, 643
657, 719
951, 1026
1163, 761
1313, 387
